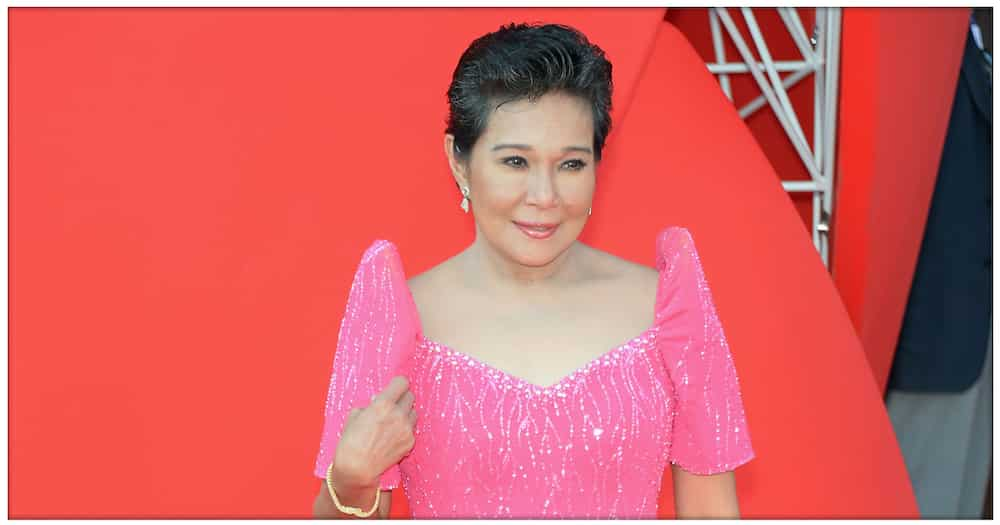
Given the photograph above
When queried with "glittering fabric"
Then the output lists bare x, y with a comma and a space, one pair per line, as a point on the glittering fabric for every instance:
592, 445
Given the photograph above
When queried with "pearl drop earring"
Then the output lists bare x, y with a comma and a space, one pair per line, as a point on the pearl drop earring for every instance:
465, 199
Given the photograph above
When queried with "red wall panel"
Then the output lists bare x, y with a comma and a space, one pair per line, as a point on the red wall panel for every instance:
693, 22
190, 192
825, 447
899, 71
899, 68
191, 189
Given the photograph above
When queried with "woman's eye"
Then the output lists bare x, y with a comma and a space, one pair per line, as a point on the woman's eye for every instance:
575, 164
515, 162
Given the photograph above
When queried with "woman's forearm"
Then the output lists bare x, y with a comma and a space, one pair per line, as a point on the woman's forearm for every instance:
712, 496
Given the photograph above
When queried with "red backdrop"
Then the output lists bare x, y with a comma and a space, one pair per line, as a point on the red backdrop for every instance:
899, 69
693, 22
191, 189
825, 447
898, 79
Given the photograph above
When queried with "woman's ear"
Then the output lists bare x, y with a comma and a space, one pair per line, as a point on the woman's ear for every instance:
458, 165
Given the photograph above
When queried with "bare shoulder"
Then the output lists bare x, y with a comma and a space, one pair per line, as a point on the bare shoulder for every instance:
627, 289
623, 272
421, 282
432, 284
432, 277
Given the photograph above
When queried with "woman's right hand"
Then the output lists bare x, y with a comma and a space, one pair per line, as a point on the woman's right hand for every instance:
377, 436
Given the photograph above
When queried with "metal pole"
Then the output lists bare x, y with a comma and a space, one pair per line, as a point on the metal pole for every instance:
798, 137
720, 53
762, 82
820, 56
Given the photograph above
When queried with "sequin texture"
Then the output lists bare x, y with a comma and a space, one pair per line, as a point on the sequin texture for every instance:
592, 445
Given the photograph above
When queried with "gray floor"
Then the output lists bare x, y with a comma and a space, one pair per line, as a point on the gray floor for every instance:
947, 443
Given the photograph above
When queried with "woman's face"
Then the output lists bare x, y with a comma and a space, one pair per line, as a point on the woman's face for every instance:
531, 177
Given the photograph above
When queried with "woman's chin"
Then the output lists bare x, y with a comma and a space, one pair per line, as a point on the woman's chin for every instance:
535, 256
526, 250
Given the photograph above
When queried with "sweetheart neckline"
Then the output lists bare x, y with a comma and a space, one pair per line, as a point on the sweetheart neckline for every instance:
425, 341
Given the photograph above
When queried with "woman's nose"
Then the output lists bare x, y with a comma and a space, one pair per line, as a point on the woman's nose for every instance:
542, 189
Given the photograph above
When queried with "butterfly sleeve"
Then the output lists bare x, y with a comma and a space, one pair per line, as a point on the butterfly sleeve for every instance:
709, 423
377, 334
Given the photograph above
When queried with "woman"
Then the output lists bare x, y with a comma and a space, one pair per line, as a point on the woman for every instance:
530, 375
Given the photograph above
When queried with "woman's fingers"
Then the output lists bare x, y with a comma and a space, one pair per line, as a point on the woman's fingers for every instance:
392, 392
398, 393
406, 401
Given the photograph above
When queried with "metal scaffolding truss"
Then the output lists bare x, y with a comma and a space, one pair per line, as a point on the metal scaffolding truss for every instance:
820, 56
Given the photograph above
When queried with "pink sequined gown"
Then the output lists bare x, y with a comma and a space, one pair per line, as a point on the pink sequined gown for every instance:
593, 445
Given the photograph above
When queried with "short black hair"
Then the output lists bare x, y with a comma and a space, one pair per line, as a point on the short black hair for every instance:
527, 61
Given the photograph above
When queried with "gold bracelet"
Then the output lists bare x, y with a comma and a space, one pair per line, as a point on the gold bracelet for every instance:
347, 509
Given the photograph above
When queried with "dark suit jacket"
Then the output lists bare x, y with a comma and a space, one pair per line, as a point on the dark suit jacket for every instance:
942, 344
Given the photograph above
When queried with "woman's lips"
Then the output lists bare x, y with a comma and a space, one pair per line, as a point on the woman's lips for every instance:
537, 230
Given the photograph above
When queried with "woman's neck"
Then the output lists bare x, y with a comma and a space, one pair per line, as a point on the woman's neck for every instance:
491, 268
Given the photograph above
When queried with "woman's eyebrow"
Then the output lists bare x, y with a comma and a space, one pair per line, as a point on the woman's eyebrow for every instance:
583, 149
513, 146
